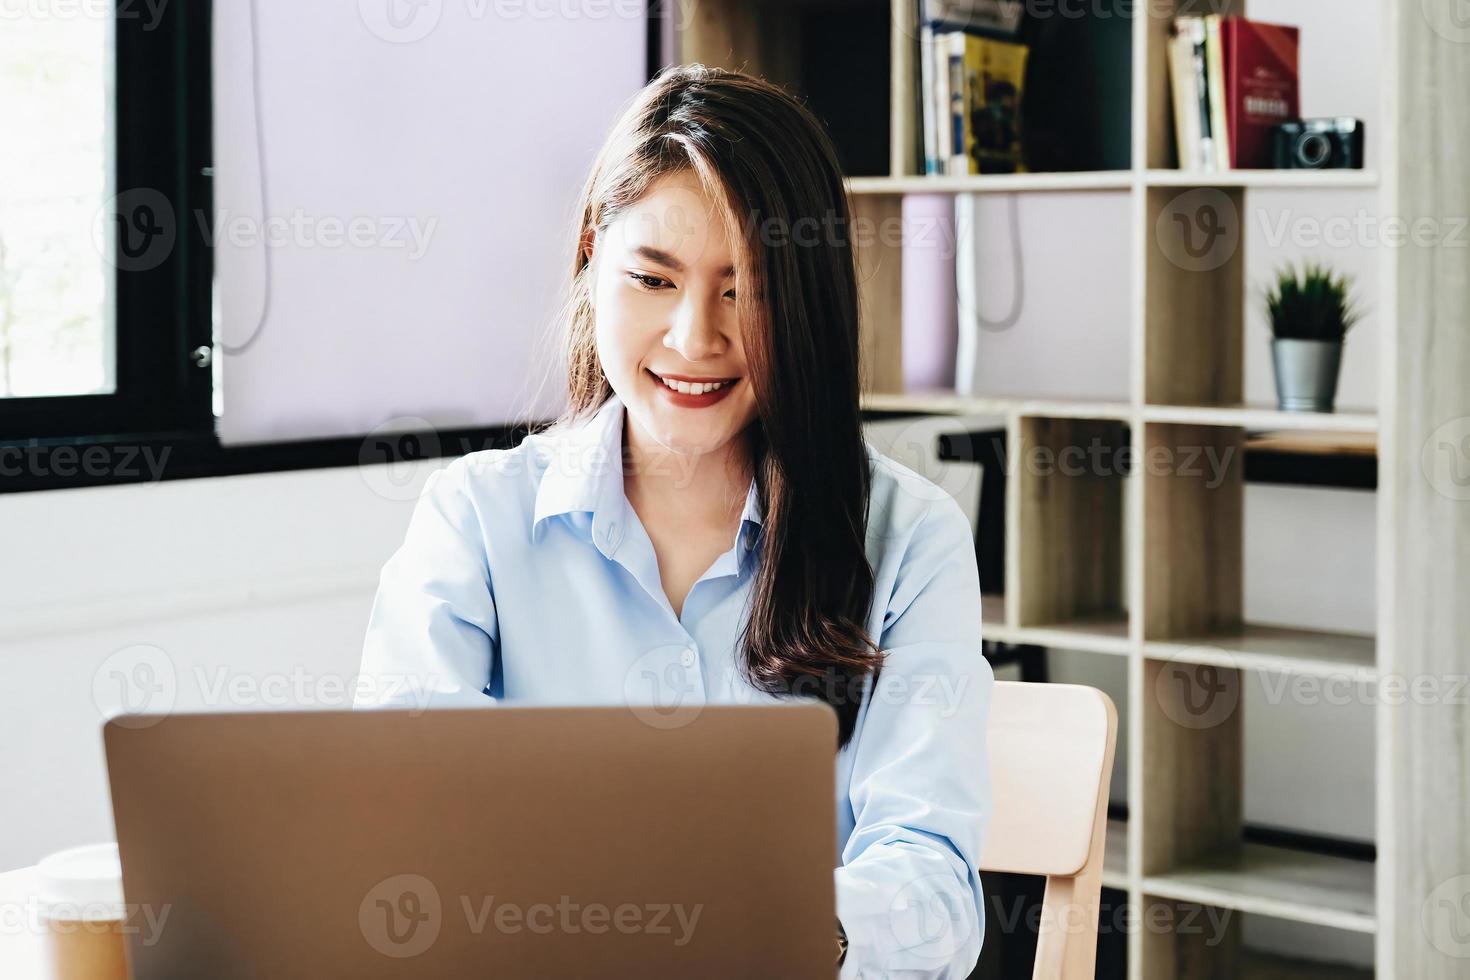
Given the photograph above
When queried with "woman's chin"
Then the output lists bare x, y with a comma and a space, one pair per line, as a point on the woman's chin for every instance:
687, 431
676, 439
682, 436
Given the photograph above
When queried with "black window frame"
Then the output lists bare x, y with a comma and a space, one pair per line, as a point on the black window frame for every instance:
162, 293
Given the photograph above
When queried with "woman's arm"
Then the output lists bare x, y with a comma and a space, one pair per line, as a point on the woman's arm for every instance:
908, 893
433, 632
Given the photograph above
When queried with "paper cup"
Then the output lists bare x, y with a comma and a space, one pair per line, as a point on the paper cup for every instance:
81, 901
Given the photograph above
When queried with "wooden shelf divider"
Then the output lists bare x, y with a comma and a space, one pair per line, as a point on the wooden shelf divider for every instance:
1304, 180
1279, 882
1090, 180
1252, 646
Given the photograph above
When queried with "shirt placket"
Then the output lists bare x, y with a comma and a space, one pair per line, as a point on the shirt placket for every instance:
672, 672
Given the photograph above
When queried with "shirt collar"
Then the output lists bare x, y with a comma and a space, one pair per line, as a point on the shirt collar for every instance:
584, 469
584, 474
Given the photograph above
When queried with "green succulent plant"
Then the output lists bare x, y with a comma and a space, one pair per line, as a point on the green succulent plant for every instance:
1312, 303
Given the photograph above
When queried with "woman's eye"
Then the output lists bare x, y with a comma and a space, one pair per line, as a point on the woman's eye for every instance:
730, 294
650, 283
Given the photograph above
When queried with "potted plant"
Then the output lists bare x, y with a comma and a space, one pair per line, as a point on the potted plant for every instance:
1311, 312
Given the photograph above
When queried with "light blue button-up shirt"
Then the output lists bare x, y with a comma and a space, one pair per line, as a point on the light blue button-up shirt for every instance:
526, 576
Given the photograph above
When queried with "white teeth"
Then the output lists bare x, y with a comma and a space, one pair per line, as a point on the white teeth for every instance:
693, 387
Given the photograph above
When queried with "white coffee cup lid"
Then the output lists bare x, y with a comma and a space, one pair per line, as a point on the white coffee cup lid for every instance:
82, 883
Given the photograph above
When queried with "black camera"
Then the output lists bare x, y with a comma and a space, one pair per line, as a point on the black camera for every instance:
1318, 144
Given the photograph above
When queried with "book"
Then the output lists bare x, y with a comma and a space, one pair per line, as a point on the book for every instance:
1189, 64
1215, 63
952, 66
987, 77
939, 105
958, 121
1185, 99
1261, 86
996, 18
1194, 29
927, 100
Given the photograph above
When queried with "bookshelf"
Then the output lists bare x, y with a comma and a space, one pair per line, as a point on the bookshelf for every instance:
1147, 566
1266, 179
1301, 886
1105, 180
1114, 180
949, 403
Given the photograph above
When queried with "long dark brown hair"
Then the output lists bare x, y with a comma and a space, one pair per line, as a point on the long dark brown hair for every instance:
770, 165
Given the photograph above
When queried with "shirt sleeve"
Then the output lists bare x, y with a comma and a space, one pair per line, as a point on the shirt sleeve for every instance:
432, 635
908, 890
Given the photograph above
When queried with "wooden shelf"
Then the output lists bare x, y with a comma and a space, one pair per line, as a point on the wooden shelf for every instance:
1098, 635
1102, 634
1258, 965
1252, 646
951, 403
1257, 418
1098, 180
1279, 882
1361, 444
1273, 648
1290, 179
1261, 418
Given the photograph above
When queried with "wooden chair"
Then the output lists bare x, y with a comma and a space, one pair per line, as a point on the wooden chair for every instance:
1051, 756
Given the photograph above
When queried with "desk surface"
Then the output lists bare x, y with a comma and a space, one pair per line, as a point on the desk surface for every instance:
22, 953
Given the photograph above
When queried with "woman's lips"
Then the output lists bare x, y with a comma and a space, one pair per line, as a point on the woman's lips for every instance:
682, 400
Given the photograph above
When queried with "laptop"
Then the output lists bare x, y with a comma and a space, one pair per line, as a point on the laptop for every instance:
513, 842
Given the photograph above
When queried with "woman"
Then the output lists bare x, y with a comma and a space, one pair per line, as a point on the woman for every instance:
706, 523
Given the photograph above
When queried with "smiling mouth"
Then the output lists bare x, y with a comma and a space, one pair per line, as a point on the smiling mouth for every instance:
688, 386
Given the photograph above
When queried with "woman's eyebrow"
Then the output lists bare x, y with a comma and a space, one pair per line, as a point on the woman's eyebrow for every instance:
668, 261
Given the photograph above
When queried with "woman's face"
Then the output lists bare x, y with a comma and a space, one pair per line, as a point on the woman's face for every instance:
663, 288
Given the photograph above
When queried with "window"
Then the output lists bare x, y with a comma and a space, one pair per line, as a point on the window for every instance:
103, 293
108, 212
56, 324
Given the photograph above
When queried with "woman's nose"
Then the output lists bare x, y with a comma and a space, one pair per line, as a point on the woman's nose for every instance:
695, 332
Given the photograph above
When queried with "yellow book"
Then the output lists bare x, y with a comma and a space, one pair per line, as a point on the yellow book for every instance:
995, 72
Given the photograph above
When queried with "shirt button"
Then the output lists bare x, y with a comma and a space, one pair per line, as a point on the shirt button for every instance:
687, 657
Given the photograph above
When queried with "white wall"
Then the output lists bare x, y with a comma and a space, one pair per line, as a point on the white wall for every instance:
255, 587
1072, 338
456, 145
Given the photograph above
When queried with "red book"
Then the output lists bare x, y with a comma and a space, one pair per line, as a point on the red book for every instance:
1260, 86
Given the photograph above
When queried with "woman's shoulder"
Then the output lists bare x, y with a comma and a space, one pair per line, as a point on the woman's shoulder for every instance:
918, 535
905, 503
498, 483
498, 468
